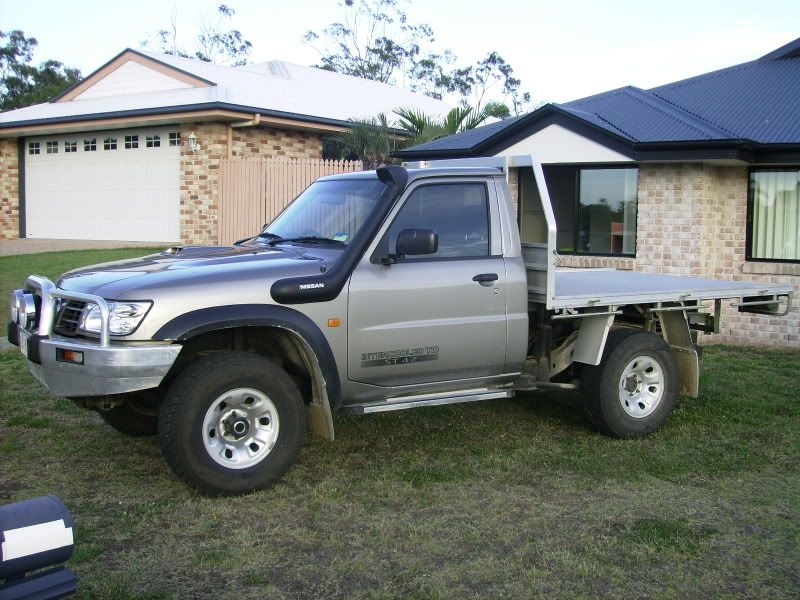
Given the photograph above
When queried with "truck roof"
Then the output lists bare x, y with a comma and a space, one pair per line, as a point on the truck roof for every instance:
420, 173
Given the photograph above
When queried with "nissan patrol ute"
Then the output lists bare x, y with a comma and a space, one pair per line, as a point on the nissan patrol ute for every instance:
372, 291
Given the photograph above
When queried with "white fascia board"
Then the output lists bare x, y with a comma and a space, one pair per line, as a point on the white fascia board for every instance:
557, 145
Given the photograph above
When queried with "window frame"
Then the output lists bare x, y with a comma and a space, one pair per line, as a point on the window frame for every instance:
152, 141
110, 144
576, 206
51, 146
173, 139
384, 238
34, 148
748, 244
130, 142
90, 144
70, 146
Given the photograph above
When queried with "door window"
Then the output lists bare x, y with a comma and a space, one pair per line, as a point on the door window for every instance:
457, 212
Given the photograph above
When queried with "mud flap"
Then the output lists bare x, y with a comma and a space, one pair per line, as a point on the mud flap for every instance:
675, 328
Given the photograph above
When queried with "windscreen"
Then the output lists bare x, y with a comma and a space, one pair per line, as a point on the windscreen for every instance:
333, 209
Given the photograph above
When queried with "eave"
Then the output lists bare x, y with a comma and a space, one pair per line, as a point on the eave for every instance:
172, 114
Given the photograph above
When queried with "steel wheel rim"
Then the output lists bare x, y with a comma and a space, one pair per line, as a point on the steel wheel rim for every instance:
641, 387
240, 428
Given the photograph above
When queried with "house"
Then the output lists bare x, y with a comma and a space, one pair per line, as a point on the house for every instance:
697, 177
133, 151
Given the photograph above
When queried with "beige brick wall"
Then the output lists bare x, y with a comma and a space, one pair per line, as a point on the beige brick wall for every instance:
692, 220
268, 142
9, 190
669, 219
200, 170
200, 181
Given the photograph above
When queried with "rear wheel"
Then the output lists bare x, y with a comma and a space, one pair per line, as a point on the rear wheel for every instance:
634, 389
231, 423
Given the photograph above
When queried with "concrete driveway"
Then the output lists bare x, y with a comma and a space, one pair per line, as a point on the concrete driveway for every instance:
32, 246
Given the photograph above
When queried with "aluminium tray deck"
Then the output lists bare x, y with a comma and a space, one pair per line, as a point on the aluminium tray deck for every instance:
577, 288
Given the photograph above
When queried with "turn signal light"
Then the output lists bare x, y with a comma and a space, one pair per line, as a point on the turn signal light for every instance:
69, 356
334, 322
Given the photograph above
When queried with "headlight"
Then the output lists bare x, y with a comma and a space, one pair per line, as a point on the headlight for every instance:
14, 309
124, 317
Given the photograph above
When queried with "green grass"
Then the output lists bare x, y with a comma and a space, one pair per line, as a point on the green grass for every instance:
515, 498
15, 269
502, 499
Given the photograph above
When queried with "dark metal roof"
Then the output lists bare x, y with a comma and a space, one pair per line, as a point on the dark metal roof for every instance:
752, 106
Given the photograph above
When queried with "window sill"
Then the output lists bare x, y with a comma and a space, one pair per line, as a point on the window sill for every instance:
771, 268
583, 261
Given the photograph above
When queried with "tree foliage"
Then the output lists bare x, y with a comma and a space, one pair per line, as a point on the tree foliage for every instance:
375, 40
369, 140
212, 43
24, 84
421, 127
373, 140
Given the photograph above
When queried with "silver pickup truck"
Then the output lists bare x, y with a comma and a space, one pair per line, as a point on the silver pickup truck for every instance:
373, 291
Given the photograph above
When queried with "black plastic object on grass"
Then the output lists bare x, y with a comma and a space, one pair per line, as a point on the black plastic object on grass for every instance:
34, 535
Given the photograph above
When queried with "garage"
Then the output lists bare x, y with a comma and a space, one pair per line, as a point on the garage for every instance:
104, 185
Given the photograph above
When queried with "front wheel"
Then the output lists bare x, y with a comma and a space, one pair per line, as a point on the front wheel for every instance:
634, 389
231, 423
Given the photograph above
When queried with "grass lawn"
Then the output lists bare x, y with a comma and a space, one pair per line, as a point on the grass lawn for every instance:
515, 498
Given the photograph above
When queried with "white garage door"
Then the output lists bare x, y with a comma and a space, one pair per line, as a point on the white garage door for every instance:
116, 185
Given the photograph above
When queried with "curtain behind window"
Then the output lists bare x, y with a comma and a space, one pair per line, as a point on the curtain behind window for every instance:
776, 214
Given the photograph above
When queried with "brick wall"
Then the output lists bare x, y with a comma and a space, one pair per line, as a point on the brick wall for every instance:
267, 142
200, 181
200, 170
9, 190
692, 220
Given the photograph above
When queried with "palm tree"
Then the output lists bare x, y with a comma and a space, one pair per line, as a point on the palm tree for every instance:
423, 128
369, 140
373, 140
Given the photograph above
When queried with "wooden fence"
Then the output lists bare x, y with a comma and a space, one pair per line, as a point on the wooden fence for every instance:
253, 191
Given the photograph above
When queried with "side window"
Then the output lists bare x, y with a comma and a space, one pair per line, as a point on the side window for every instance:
457, 212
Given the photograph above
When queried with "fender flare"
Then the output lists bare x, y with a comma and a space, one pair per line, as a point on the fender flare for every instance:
205, 320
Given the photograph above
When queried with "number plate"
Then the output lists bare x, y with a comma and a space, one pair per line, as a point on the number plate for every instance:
23, 341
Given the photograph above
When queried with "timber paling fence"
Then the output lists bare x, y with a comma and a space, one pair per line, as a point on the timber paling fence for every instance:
253, 191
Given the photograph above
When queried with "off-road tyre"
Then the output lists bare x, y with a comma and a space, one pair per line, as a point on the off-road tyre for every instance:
137, 416
606, 397
195, 394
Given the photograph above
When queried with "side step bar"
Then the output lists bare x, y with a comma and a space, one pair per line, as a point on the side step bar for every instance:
403, 402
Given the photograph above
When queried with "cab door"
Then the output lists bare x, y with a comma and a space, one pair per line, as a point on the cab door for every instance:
435, 317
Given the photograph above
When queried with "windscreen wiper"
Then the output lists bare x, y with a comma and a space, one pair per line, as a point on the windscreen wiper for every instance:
314, 239
263, 234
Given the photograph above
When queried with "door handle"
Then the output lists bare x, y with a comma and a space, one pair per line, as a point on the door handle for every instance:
485, 277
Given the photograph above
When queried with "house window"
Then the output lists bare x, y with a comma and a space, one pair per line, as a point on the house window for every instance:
595, 209
131, 141
153, 141
52, 147
110, 143
774, 215
34, 148
458, 213
71, 146
90, 145
174, 138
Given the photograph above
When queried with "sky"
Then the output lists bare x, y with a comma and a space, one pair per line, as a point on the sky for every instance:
561, 50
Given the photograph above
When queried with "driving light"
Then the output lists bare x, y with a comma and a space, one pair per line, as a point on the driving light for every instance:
124, 317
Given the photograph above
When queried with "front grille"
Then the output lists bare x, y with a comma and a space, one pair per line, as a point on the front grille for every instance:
67, 317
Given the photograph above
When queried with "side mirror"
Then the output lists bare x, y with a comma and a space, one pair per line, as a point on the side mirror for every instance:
414, 242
